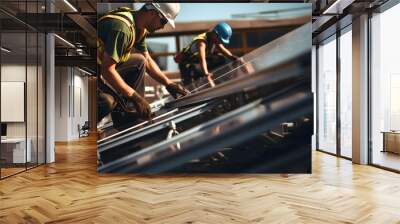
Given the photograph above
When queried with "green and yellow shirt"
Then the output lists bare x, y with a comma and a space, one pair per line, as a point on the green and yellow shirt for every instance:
191, 52
117, 35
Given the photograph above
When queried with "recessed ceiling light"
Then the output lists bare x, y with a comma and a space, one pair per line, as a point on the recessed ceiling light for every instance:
70, 5
65, 41
5, 50
84, 71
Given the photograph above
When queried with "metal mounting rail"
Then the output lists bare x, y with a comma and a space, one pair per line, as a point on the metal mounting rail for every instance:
210, 137
135, 134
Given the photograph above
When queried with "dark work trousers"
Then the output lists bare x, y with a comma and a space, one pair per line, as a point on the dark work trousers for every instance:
132, 72
191, 71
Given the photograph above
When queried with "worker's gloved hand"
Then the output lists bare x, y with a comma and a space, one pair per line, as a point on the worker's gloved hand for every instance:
238, 61
142, 106
175, 89
234, 58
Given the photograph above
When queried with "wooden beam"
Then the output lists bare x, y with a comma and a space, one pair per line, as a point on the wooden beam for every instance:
197, 27
166, 54
178, 43
86, 26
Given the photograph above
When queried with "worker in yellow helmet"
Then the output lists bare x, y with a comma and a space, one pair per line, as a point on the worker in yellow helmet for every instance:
204, 53
121, 81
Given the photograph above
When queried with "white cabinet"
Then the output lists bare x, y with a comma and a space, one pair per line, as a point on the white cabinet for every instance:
15, 149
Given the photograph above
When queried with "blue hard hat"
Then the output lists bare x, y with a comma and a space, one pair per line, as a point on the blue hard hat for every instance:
224, 32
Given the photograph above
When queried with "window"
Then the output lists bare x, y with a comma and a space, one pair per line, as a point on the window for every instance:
385, 89
327, 95
22, 75
346, 92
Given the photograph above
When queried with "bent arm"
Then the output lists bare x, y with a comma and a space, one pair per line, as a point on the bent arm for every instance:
202, 55
203, 63
226, 52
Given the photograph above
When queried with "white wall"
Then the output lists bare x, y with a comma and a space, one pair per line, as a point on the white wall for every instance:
61, 103
71, 94
81, 83
14, 73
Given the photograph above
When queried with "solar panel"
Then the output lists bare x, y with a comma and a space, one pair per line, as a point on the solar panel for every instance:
270, 86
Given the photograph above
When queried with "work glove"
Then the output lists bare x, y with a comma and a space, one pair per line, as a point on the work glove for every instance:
142, 107
176, 89
234, 58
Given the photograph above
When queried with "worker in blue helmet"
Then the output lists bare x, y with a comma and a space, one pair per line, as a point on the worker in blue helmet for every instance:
205, 52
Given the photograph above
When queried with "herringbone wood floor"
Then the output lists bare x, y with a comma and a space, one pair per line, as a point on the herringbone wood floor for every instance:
70, 191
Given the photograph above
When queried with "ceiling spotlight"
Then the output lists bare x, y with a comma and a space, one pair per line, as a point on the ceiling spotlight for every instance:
70, 5
85, 72
337, 7
65, 41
